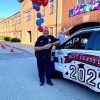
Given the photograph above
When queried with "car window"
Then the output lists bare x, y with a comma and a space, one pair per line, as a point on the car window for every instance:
94, 42
97, 42
78, 42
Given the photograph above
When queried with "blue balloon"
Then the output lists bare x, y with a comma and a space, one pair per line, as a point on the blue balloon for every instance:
35, 6
39, 15
42, 20
38, 22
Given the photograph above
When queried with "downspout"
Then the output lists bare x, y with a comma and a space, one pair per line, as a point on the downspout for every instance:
56, 17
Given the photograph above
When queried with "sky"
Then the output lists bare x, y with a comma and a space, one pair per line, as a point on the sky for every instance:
8, 8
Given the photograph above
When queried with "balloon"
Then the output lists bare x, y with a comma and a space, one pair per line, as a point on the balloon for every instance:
35, 6
38, 9
39, 2
45, 2
40, 28
39, 15
38, 23
42, 20
34, 1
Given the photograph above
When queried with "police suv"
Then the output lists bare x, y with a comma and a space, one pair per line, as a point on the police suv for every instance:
78, 59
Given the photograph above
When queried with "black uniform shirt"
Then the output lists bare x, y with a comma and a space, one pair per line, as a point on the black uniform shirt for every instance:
41, 41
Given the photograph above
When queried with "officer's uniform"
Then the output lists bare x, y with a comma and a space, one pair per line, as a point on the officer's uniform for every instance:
43, 58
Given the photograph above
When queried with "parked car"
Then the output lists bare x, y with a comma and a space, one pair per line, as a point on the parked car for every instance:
78, 59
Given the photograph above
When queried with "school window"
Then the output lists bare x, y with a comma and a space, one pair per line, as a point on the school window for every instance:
43, 11
3, 25
51, 30
80, 2
51, 6
14, 22
28, 16
19, 19
7, 24
88, 1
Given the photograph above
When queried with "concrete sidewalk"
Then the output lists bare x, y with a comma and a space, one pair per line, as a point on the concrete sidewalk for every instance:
28, 48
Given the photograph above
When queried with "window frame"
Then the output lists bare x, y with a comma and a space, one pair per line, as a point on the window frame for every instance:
43, 11
28, 16
51, 2
51, 29
79, 3
88, 1
18, 19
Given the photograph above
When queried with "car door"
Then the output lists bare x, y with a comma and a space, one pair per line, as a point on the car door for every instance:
71, 45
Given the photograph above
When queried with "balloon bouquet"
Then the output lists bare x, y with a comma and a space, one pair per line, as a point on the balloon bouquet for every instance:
36, 5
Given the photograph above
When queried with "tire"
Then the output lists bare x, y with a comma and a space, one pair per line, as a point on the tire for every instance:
57, 74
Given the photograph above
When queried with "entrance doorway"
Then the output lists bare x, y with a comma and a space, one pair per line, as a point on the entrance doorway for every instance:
29, 36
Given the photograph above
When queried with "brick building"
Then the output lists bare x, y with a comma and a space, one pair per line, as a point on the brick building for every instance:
57, 14
11, 26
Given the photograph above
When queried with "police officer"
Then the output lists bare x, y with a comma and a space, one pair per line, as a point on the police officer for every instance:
43, 48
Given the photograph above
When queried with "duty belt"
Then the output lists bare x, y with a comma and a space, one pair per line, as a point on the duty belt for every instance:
43, 55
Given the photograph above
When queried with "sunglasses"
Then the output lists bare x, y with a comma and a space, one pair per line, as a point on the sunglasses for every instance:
46, 31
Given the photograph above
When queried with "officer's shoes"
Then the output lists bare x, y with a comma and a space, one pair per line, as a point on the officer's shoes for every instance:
41, 84
50, 83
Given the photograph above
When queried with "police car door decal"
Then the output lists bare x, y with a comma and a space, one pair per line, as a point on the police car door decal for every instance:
84, 69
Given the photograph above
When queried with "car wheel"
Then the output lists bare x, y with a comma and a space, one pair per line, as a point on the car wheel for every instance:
56, 74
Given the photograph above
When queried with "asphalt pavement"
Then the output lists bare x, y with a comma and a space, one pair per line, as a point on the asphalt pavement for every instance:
19, 81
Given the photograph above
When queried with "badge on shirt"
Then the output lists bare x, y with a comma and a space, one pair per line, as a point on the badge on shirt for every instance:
49, 40
41, 41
